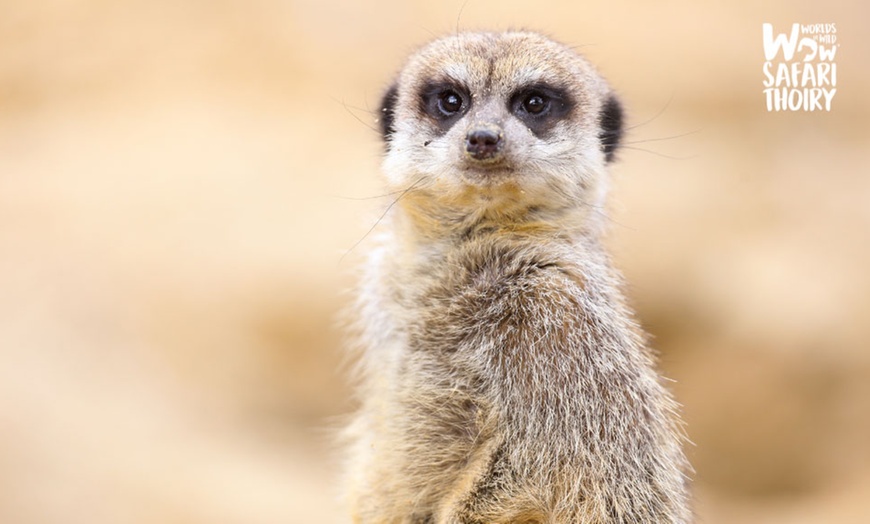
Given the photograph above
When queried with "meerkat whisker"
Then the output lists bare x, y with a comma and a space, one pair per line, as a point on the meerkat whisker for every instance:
663, 155
659, 139
380, 218
655, 116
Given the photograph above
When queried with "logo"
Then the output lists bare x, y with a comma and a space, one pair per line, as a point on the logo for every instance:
800, 73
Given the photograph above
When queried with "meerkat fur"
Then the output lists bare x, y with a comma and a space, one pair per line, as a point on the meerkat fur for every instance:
503, 379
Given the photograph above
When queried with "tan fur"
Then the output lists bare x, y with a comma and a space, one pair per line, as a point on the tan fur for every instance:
503, 378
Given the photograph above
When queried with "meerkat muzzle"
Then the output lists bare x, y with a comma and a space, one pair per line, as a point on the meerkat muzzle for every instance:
484, 142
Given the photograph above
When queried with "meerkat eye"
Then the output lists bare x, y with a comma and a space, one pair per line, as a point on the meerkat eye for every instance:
540, 106
444, 102
536, 104
449, 102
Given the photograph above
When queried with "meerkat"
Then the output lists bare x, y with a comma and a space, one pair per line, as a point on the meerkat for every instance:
504, 380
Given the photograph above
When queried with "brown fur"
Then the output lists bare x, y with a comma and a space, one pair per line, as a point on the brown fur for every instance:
504, 380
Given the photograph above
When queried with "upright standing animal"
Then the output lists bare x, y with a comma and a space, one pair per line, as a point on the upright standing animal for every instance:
503, 379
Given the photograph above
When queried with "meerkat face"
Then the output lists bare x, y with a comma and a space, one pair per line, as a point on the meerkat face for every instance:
500, 120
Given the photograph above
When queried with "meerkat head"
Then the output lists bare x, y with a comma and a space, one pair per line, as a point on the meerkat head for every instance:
505, 125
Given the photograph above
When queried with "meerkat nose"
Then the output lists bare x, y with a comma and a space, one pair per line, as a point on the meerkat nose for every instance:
484, 142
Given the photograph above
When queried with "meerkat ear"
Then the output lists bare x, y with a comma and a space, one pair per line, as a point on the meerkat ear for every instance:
611, 127
387, 112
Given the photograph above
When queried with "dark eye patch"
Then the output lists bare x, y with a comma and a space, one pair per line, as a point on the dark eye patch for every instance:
444, 102
540, 106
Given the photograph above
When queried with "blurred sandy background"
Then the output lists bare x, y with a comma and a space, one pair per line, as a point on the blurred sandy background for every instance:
178, 185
